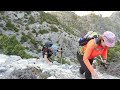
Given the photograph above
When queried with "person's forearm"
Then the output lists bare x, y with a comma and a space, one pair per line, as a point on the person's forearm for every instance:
89, 66
46, 59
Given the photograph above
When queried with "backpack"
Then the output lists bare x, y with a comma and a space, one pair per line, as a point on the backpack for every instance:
87, 37
46, 46
55, 48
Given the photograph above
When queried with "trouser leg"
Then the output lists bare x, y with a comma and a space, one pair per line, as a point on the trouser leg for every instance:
80, 57
83, 67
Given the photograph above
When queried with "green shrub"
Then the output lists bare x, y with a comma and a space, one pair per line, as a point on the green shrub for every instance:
8, 50
43, 31
54, 29
31, 20
33, 31
49, 39
16, 29
27, 28
68, 29
11, 26
4, 17
114, 53
48, 18
13, 41
27, 48
24, 38
29, 36
23, 33
3, 41
36, 46
17, 48
10, 46
33, 41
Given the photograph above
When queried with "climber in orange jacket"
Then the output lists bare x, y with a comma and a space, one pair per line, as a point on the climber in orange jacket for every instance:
93, 48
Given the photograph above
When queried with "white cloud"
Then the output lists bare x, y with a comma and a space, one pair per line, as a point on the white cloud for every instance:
103, 13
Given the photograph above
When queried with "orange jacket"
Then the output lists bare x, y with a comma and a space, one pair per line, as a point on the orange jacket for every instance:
91, 50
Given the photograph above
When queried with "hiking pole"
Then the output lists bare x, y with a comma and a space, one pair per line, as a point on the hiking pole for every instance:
102, 63
101, 60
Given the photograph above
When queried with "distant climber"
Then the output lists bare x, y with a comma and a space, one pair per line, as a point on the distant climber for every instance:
93, 48
49, 49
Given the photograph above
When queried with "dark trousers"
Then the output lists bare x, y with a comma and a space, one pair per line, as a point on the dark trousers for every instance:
83, 68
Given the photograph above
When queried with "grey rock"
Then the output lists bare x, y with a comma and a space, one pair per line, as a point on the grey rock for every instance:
20, 15
28, 73
3, 69
56, 63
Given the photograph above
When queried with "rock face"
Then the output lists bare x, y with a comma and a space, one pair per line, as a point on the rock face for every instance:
113, 69
28, 73
30, 23
13, 67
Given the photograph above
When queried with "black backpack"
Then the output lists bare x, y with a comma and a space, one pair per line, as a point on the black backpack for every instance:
46, 46
87, 37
